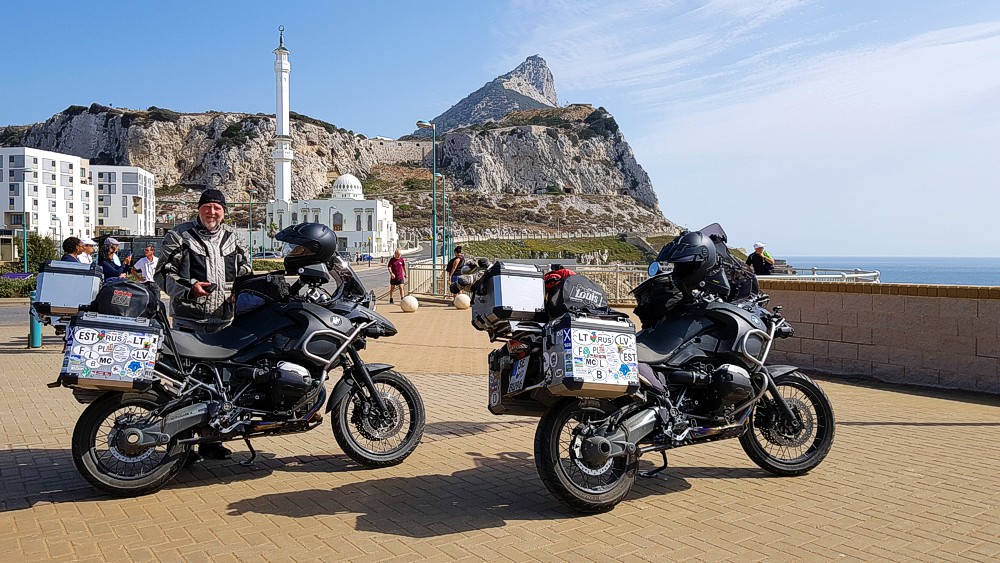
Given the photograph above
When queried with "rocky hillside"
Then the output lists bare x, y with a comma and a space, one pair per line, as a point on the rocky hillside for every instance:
190, 152
529, 86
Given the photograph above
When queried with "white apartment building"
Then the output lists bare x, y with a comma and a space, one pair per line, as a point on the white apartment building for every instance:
54, 187
126, 200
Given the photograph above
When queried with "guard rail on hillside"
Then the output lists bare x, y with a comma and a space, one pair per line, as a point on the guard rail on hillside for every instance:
619, 279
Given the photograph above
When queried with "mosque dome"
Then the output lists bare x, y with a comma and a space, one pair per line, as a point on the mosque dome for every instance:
347, 186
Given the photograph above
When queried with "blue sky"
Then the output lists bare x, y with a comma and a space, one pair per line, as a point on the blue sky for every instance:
820, 127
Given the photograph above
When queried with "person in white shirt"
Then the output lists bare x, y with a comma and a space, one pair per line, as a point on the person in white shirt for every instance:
86, 257
145, 267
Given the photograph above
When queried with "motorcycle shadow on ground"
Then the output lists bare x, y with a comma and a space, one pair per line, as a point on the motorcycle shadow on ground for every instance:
500, 488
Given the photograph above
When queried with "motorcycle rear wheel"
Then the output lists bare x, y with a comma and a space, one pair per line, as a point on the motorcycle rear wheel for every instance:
371, 440
775, 446
111, 466
565, 474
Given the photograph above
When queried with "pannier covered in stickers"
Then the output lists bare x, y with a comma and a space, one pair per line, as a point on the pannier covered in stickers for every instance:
110, 352
587, 357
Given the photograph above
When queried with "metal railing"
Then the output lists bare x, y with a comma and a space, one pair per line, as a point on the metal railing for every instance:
829, 274
619, 279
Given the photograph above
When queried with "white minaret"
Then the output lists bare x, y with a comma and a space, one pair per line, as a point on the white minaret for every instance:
282, 154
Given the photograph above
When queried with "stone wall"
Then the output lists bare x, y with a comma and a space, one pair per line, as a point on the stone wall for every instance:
932, 335
399, 152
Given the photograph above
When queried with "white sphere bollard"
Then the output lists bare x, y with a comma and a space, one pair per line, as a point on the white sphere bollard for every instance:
462, 301
409, 304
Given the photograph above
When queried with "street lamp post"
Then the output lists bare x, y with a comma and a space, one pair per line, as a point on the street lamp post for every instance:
434, 250
251, 192
58, 220
24, 214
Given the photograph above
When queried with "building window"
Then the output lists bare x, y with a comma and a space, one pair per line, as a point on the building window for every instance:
11, 203
369, 222
358, 228
295, 218
338, 221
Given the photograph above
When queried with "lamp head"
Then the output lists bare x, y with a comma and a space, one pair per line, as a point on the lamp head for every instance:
425, 125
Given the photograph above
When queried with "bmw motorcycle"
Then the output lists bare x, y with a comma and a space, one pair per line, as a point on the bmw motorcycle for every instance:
702, 376
264, 375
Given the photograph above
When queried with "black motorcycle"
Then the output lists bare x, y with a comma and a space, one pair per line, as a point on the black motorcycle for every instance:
264, 375
699, 376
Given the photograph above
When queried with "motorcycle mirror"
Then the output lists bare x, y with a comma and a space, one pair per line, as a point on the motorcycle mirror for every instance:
654, 269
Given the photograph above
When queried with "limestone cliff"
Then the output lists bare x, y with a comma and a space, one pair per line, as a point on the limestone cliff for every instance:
228, 151
529, 86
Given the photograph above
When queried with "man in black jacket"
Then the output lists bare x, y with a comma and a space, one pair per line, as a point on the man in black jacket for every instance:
197, 260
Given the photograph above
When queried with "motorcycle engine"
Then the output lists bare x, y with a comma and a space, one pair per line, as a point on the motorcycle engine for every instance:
714, 390
277, 387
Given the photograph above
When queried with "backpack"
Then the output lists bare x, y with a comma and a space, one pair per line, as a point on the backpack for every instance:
126, 298
576, 294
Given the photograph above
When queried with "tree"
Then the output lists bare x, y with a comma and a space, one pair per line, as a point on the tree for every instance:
40, 249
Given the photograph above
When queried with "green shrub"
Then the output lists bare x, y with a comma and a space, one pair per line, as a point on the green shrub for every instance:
268, 265
75, 110
161, 114
16, 288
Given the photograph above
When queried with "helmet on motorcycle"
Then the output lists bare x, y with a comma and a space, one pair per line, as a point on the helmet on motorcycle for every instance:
307, 244
693, 256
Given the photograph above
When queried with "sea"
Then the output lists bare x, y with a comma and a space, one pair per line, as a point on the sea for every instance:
911, 269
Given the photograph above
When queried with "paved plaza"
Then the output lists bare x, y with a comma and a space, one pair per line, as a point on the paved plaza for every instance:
913, 475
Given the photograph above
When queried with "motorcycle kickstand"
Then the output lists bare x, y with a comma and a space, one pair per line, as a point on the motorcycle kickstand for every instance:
653, 472
253, 454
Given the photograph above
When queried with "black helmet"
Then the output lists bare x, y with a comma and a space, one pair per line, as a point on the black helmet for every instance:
693, 255
308, 244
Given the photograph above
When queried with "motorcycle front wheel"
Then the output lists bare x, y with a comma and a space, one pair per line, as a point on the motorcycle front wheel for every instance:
566, 475
782, 448
374, 440
108, 462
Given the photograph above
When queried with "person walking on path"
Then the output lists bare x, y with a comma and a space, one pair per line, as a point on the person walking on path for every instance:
454, 269
397, 274
145, 267
760, 261
73, 248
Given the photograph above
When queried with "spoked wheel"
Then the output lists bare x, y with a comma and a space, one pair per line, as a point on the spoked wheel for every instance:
374, 440
558, 456
104, 456
783, 448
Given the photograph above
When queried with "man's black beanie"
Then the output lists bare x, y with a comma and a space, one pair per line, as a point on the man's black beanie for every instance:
212, 195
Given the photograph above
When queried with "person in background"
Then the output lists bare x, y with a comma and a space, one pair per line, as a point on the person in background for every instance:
73, 248
114, 244
760, 261
454, 268
196, 260
107, 262
86, 257
397, 274
145, 267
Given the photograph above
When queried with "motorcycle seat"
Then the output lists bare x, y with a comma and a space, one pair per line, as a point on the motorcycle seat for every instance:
647, 355
220, 345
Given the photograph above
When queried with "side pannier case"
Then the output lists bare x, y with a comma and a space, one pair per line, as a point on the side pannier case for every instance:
509, 292
63, 288
106, 352
586, 357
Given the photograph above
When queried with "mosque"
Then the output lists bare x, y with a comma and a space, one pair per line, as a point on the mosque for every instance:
363, 226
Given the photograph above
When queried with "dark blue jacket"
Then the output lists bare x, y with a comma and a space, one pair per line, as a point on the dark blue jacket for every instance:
111, 270
69, 258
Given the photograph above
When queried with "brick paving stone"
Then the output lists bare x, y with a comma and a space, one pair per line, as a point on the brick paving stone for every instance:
911, 477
